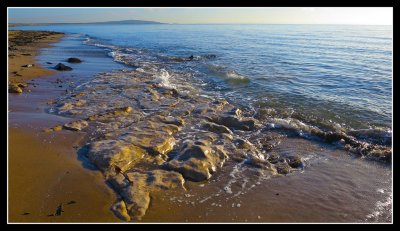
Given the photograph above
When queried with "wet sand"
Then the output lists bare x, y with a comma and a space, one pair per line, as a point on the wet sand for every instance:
45, 170
23, 48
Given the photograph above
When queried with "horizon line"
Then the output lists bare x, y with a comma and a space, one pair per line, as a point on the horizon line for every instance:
217, 23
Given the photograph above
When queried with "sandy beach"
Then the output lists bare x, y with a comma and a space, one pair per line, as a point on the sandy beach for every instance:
44, 171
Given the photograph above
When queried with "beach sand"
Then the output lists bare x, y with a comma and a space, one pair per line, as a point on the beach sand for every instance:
44, 170
23, 48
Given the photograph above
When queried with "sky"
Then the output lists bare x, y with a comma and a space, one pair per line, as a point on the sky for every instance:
224, 15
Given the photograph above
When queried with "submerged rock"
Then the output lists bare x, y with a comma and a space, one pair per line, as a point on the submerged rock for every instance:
236, 121
62, 67
198, 160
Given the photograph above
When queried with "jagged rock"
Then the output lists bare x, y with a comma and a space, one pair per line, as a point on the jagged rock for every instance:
76, 125
155, 143
74, 60
243, 144
135, 189
169, 120
62, 67
113, 113
198, 160
112, 156
233, 121
213, 127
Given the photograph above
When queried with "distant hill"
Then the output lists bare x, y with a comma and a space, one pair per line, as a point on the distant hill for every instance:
108, 22
128, 22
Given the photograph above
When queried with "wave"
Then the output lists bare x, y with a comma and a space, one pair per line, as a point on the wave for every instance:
188, 58
229, 75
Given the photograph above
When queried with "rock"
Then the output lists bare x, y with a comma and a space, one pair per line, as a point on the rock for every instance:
14, 88
264, 113
135, 189
112, 156
112, 114
62, 67
74, 60
197, 160
213, 127
243, 144
76, 125
282, 168
295, 161
274, 158
28, 65
54, 129
236, 122
257, 162
59, 210
169, 120
155, 143
120, 211
333, 136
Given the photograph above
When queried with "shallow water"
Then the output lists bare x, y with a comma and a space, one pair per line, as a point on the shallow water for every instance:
338, 74
333, 186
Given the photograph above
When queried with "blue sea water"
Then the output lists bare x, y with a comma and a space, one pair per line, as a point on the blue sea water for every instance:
323, 74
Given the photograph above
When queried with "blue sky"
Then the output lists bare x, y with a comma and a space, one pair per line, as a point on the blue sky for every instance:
260, 15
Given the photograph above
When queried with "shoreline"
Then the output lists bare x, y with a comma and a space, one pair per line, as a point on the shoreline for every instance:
23, 48
44, 170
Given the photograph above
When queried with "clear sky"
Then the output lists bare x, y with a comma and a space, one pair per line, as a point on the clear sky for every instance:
259, 15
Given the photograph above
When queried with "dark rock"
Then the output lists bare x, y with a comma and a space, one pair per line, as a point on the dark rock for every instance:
295, 161
282, 168
71, 202
274, 158
74, 60
59, 210
62, 67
